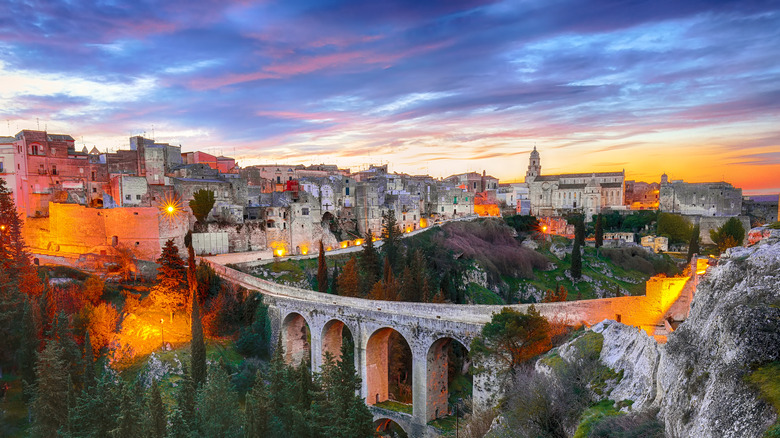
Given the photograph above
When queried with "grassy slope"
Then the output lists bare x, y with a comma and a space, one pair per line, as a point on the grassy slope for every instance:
598, 269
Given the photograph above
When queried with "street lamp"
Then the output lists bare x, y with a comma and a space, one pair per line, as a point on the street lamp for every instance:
162, 332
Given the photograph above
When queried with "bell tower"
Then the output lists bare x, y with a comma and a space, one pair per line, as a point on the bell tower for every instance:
534, 166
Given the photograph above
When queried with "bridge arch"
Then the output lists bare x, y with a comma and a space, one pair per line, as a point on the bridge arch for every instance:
333, 333
379, 364
447, 359
386, 427
296, 338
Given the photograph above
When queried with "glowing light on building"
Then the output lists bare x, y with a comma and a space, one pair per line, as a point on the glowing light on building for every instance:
423, 222
544, 228
345, 244
358, 242
170, 206
304, 250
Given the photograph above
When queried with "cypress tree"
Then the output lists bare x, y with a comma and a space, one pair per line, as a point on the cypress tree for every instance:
391, 234
322, 270
693, 245
599, 231
370, 266
334, 284
192, 273
576, 260
197, 346
157, 413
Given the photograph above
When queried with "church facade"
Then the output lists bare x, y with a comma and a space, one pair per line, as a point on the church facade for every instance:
587, 193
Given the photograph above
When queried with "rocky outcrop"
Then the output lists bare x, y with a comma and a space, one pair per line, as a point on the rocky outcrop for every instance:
697, 380
734, 325
632, 351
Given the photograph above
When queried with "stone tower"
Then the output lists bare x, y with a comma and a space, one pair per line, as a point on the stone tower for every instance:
534, 166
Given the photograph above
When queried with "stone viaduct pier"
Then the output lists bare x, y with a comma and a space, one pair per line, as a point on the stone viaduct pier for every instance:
311, 324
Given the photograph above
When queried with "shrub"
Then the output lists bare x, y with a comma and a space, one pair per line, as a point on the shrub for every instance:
639, 425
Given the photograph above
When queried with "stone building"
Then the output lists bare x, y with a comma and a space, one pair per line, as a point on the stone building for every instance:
702, 199
7, 162
641, 195
50, 169
589, 193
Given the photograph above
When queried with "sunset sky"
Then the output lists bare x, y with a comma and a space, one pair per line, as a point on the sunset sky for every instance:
690, 88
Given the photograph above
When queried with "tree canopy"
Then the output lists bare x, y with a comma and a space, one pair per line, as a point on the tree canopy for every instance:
512, 338
201, 204
729, 235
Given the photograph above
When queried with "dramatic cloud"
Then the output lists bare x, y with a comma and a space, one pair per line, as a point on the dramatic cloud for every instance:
688, 88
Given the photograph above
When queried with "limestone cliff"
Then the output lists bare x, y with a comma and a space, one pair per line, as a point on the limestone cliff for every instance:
697, 380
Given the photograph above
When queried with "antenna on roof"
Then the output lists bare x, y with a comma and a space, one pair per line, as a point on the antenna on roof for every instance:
38, 123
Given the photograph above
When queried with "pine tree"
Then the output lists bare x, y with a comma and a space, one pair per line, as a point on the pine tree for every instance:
280, 394
217, 407
157, 413
97, 407
169, 290
28, 345
349, 283
49, 406
257, 412
599, 231
197, 346
71, 353
350, 413
185, 399
179, 426
132, 419
693, 245
89, 362
370, 267
322, 270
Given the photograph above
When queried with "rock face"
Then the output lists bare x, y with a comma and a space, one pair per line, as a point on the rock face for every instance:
696, 380
734, 324
632, 351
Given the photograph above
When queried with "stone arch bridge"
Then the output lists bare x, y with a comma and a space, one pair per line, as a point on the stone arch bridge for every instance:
428, 329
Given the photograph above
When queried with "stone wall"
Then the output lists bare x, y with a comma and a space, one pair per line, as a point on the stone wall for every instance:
76, 229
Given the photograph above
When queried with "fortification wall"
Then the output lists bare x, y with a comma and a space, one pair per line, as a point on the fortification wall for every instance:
76, 229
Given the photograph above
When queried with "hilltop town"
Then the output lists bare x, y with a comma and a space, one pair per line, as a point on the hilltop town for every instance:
78, 202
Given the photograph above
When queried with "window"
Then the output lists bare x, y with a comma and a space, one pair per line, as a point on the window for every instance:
138, 197
127, 197
347, 191
94, 190
1, 164
305, 211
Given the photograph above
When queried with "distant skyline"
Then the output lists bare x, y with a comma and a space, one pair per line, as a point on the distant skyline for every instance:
688, 88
